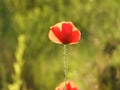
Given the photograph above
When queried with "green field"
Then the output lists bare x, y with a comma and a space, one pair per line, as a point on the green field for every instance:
30, 61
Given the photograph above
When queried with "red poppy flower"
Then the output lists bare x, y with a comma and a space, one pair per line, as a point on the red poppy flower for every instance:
64, 33
69, 86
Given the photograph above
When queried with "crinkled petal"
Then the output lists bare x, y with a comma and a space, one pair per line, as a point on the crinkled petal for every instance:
57, 37
68, 86
75, 37
74, 89
66, 32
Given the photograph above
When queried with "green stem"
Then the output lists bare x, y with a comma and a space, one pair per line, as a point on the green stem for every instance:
65, 64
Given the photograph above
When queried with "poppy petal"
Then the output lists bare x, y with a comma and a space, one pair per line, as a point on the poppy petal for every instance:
53, 38
67, 28
75, 37
66, 32
55, 35
68, 86
74, 89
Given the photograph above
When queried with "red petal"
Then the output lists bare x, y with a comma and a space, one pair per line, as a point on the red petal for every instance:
67, 28
75, 37
57, 33
66, 32
68, 86
74, 89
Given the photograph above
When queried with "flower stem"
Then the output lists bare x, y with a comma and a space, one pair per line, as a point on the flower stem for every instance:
65, 64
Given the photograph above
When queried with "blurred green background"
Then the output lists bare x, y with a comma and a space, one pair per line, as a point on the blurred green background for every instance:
30, 61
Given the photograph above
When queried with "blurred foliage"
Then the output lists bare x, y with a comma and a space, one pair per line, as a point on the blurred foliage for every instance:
94, 63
